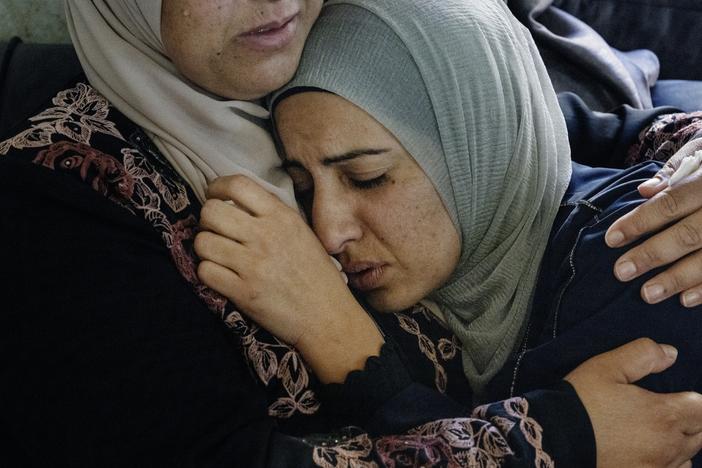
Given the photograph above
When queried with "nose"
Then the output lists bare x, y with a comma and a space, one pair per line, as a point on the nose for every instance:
334, 220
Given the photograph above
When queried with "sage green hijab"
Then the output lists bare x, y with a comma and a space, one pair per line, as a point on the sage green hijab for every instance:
461, 85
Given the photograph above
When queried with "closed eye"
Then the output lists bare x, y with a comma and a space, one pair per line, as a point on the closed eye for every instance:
370, 183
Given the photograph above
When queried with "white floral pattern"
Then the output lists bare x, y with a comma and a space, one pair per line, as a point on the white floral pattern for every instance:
447, 348
480, 441
517, 408
134, 182
77, 114
347, 454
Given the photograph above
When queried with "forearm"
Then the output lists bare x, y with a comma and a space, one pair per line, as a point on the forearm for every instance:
334, 350
404, 418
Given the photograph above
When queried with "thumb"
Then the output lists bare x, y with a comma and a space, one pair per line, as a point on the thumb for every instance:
637, 359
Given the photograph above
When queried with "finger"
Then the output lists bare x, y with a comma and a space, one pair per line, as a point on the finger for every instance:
693, 445
659, 181
221, 279
245, 193
635, 360
688, 449
665, 247
692, 297
217, 249
689, 406
225, 219
683, 275
667, 206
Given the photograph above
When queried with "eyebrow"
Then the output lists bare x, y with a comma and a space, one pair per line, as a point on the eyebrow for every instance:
330, 160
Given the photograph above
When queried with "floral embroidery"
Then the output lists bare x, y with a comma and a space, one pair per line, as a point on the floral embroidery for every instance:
347, 454
138, 185
78, 113
452, 443
105, 173
173, 193
447, 348
664, 137
517, 409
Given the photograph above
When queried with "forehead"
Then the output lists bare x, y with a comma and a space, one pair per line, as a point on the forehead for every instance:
324, 123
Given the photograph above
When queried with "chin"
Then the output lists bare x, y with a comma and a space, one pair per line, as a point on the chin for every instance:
270, 77
385, 301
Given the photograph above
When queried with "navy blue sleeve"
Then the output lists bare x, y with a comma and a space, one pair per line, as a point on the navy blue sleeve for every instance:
541, 428
602, 139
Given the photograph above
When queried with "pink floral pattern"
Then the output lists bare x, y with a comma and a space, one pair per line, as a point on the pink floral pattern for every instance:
664, 137
78, 114
136, 183
447, 349
347, 454
480, 441
517, 409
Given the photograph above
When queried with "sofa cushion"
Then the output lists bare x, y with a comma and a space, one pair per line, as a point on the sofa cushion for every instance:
684, 94
670, 28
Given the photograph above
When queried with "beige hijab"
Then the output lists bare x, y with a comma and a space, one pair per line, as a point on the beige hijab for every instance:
202, 136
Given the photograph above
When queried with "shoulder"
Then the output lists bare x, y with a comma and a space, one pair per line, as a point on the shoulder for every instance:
80, 142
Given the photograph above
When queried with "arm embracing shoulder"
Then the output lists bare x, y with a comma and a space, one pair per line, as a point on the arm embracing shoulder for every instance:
109, 359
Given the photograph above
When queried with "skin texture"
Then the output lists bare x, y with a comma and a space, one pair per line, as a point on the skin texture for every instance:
204, 40
634, 427
678, 246
261, 254
378, 209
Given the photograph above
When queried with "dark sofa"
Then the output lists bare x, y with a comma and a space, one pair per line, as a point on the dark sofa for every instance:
672, 29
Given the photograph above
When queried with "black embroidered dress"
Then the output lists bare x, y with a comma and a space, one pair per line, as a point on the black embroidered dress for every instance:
113, 353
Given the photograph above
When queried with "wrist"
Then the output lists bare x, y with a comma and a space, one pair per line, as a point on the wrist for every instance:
334, 349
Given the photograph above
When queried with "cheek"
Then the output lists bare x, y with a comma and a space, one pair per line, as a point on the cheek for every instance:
192, 44
427, 240
311, 10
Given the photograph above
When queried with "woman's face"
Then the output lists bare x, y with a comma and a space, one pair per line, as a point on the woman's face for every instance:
238, 49
369, 202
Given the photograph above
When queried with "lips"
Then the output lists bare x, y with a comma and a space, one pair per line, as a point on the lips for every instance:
272, 35
365, 276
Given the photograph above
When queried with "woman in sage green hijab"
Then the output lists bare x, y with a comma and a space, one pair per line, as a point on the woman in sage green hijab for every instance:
426, 143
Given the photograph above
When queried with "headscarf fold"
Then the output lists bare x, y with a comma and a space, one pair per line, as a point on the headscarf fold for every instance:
462, 87
203, 136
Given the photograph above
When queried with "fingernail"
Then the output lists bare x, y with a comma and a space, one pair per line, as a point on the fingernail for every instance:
670, 351
614, 238
690, 299
651, 183
653, 292
625, 270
